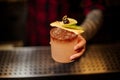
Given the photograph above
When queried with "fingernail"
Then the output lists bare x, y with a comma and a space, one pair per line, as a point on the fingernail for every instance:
71, 58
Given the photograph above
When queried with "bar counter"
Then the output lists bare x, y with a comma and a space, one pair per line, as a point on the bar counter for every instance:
35, 63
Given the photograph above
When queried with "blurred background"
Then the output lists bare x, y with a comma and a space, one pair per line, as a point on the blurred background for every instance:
110, 28
12, 22
13, 15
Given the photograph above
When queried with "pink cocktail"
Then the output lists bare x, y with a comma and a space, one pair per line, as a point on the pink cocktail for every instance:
62, 44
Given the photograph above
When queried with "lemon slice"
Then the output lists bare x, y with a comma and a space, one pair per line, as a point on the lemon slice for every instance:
60, 24
68, 24
72, 27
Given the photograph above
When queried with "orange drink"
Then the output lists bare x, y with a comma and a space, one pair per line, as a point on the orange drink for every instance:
62, 44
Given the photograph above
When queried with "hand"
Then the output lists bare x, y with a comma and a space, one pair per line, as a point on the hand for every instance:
80, 48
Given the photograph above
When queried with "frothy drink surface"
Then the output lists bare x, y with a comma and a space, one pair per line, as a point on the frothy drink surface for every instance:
61, 34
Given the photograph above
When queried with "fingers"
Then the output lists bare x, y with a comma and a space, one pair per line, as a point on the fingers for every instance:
80, 48
81, 43
77, 55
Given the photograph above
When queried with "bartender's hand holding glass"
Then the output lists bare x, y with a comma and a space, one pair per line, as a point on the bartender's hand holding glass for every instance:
79, 47
68, 27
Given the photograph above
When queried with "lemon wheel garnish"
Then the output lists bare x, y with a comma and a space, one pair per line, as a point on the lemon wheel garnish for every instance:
71, 26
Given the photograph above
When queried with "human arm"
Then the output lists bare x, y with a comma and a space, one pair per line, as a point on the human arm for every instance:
91, 25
